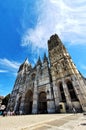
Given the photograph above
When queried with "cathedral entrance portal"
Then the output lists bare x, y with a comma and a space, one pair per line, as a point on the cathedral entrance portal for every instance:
42, 106
28, 102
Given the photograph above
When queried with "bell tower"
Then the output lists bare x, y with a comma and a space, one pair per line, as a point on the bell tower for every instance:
68, 84
60, 61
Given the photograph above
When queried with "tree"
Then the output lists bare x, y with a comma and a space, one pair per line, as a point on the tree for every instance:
5, 100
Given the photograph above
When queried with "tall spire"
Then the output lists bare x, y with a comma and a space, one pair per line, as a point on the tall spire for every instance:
26, 61
45, 58
39, 61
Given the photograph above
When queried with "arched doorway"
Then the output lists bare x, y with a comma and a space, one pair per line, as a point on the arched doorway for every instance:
42, 105
71, 91
28, 102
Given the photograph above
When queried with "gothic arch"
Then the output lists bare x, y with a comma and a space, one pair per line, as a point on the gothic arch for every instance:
28, 102
63, 98
71, 91
42, 105
33, 76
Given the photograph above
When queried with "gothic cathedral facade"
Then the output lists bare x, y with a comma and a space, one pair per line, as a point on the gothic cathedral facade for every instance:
51, 86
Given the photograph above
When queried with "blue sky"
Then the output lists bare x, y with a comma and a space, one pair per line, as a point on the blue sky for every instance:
25, 27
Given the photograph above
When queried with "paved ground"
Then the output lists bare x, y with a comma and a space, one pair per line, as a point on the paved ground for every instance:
44, 122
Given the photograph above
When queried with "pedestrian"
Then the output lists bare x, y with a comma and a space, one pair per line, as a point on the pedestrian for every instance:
8, 113
20, 112
74, 110
0, 112
4, 113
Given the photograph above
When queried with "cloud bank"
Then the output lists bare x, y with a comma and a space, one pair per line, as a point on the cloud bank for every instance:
64, 17
8, 66
3, 71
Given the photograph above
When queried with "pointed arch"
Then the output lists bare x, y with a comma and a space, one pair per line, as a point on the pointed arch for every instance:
42, 106
71, 91
63, 98
28, 102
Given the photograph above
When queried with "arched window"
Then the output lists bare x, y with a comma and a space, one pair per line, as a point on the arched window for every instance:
62, 93
72, 91
33, 76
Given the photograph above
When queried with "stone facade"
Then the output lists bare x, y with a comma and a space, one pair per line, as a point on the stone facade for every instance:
51, 86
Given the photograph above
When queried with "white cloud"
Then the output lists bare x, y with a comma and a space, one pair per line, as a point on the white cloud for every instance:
3, 71
83, 67
9, 63
64, 17
8, 66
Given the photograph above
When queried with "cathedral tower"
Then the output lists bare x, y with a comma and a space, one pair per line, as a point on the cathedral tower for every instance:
68, 84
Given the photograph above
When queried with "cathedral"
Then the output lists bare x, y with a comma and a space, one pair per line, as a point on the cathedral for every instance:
53, 85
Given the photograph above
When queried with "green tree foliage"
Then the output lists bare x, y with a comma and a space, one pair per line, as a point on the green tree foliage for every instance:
5, 100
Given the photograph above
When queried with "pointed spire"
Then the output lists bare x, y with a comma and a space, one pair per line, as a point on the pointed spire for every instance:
45, 58
39, 61
26, 61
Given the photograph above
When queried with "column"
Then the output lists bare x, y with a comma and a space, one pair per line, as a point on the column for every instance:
67, 95
56, 96
16, 102
35, 99
22, 105
50, 100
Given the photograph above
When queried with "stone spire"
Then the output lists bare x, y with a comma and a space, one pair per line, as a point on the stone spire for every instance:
25, 63
39, 61
45, 58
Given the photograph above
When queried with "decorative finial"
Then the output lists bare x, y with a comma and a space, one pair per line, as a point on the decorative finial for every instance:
45, 58
39, 61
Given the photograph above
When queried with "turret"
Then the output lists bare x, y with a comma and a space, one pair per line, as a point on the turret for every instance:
54, 41
39, 61
25, 66
45, 58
